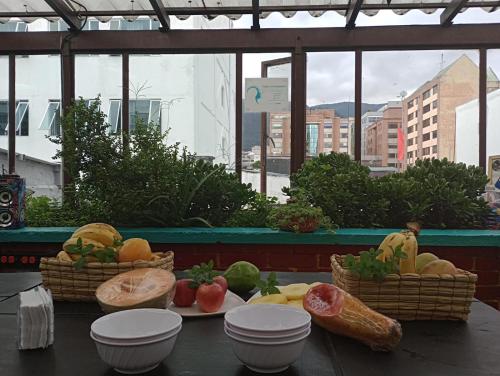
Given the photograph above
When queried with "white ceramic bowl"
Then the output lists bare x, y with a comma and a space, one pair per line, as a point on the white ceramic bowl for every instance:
264, 334
266, 318
136, 324
269, 357
135, 358
252, 337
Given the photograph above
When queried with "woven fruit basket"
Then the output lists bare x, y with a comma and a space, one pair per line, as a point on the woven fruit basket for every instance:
411, 296
68, 283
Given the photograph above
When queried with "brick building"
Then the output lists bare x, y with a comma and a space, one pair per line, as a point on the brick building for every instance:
382, 136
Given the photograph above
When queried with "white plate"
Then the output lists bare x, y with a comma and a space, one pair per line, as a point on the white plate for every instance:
231, 300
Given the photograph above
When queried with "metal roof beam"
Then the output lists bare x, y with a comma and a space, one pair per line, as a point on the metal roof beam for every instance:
451, 11
161, 13
66, 13
255, 15
352, 13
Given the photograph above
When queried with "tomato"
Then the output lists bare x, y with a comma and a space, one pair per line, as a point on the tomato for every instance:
210, 297
184, 295
220, 280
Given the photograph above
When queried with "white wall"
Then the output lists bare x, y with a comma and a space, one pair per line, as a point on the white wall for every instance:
189, 87
275, 183
467, 130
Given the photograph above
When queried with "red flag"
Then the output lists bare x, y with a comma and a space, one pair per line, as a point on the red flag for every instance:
401, 145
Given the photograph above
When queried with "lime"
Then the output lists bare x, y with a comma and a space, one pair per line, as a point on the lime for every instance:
242, 276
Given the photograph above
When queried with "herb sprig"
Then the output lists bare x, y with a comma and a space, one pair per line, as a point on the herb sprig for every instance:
367, 266
202, 273
103, 255
268, 287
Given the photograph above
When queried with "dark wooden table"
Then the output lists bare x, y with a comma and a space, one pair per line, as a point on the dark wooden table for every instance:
427, 348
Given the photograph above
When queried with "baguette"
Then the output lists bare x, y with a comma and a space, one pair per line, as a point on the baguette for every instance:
341, 313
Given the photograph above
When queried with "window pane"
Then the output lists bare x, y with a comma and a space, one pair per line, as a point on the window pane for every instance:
114, 116
155, 112
22, 116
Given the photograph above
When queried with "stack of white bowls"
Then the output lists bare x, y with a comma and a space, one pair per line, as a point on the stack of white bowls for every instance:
136, 340
267, 338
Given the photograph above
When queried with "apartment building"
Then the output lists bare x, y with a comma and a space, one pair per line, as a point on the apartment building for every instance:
382, 136
429, 120
346, 142
323, 133
367, 119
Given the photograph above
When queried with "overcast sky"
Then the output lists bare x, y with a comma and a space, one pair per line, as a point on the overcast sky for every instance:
385, 74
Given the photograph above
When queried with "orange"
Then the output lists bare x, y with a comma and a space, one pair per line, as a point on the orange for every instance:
135, 249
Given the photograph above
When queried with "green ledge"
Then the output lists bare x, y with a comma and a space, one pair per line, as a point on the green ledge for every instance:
238, 235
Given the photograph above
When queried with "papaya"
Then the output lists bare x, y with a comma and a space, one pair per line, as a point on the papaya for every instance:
138, 288
341, 313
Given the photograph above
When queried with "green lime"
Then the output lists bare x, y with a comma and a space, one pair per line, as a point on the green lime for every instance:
242, 276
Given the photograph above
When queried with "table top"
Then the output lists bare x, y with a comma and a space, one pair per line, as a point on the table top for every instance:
427, 347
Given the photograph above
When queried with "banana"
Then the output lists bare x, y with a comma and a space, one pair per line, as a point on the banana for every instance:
407, 239
85, 241
96, 226
388, 245
100, 235
63, 256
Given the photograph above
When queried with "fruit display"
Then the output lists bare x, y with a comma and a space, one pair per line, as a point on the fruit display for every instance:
100, 242
423, 259
339, 312
408, 242
242, 276
204, 287
139, 288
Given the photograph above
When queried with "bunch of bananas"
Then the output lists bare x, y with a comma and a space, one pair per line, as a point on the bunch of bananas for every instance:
292, 295
94, 242
408, 242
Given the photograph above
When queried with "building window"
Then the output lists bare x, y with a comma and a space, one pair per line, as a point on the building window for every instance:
426, 151
344, 135
146, 111
277, 125
435, 149
138, 24
392, 146
434, 89
410, 129
410, 116
409, 142
343, 144
434, 119
327, 125
328, 135
409, 155
52, 119
410, 104
426, 122
392, 135
392, 164
434, 134
393, 126
22, 118
115, 116
392, 155
328, 145
312, 139
426, 94
276, 135
14, 27
435, 104
426, 136
426, 108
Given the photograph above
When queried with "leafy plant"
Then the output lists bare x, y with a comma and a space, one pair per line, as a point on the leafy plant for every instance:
342, 188
298, 217
255, 213
367, 266
268, 286
150, 183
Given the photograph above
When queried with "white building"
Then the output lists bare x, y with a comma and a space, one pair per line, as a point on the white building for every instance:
192, 95
467, 129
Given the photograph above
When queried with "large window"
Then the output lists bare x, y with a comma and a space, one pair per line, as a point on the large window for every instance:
145, 111
14, 26
312, 133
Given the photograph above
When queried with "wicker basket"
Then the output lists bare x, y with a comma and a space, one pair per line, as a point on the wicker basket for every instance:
411, 296
67, 283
